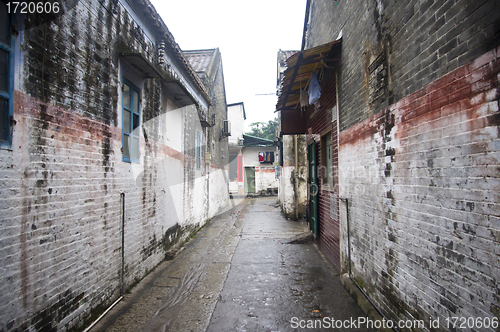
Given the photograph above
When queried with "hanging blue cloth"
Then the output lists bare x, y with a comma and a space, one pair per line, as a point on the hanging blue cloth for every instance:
314, 89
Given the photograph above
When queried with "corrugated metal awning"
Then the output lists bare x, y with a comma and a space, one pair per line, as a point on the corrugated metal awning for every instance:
299, 70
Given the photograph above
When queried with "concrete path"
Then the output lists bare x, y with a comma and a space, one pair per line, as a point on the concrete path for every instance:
239, 274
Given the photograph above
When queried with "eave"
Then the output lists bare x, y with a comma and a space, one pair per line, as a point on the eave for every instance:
299, 70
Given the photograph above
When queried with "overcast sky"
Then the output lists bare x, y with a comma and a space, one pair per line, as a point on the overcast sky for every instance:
248, 34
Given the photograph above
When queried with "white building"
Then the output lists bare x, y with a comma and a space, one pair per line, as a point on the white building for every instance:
260, 158
247, 173
236, 115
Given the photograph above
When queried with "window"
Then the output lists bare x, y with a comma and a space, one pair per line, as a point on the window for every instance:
198, 150
327, 160
266, 157
6, 76
131, 102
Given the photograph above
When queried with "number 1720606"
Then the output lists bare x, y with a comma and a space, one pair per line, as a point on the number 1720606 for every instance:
39, 7
471, 322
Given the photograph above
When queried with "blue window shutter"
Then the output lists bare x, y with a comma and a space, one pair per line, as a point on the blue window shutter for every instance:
7, 78
131, 122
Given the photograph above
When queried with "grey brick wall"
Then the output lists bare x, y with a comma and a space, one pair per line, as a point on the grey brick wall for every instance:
62, 213
421, 41
218, 146
418, 152
423, 199
218, 186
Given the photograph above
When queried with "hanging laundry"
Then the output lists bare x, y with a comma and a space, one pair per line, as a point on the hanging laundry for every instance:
314, 89
266, 157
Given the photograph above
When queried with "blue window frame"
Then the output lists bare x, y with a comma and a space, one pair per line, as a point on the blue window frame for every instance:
198, 150
131, 121
6, 76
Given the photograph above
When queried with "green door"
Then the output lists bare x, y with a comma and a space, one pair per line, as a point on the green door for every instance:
250, 179
312, 159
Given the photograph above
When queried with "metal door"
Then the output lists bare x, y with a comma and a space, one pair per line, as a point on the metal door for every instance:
250, 179
312, 158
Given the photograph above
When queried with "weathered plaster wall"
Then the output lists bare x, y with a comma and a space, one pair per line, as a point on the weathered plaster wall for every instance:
235, 172
215, 148
219, 191
286, 188
194, 180
287, 193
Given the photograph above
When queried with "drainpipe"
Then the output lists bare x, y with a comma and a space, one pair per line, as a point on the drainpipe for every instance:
207, 171
296, 182
122, 281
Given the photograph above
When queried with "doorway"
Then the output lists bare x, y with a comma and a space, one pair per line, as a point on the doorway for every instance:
312, 163
250, 179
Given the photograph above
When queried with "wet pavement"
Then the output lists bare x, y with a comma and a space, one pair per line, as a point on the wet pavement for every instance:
239, 274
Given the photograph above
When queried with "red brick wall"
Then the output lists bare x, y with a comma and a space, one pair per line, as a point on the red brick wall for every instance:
318, 122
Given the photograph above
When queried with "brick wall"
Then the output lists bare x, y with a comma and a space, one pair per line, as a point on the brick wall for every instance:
219, 165
422, 181
69, 205
416, 42
219, 108
418, 151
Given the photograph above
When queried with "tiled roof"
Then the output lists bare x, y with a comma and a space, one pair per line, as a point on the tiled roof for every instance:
200, 59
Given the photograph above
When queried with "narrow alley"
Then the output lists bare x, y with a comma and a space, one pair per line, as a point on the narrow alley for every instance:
237, 274
250, 165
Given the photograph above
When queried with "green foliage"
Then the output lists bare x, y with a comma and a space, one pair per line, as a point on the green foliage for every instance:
264, 130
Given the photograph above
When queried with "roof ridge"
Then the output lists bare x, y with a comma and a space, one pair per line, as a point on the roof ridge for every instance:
261, 138
200, 50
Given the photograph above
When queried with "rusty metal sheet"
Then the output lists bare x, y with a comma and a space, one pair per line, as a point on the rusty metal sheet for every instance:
299, 70
293, 123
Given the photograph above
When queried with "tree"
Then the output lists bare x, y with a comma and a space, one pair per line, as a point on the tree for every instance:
264, 130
